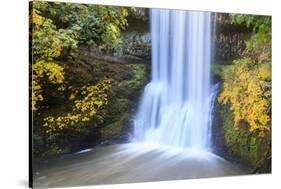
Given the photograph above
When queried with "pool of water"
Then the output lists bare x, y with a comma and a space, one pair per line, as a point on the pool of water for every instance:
130, 163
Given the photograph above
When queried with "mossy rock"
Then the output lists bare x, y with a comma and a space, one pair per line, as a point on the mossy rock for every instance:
139, 76
114, 129
248, 147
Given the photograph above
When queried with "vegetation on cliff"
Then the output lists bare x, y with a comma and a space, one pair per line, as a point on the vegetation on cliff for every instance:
73, 95
246, 93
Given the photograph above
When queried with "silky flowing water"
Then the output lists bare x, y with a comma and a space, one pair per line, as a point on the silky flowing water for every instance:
176, 106
131, 163
172, 128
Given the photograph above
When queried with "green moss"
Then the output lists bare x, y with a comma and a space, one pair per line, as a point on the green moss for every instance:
54, 151
114, 129
123, 104
217, 69
139, 76
239, 142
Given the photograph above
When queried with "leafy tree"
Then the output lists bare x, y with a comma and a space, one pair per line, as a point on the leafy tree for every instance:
56, 30
258, 23
93, 98
247, 82
259, 44
47, 45
247, 88
49, 71
62, 26
103, 26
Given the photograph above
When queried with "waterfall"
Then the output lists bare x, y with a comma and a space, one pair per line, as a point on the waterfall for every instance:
176, 106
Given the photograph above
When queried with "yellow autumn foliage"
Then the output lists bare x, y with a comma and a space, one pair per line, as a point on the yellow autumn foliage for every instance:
46, 43
247, 89
45, 47
44, 70
84, 109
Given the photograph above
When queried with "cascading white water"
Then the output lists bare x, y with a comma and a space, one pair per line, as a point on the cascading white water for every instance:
176, 106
